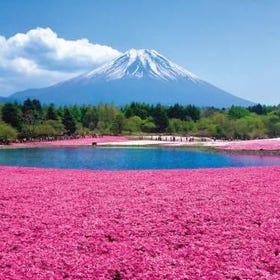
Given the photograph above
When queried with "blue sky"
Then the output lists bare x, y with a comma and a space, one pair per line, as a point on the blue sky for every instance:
232, 44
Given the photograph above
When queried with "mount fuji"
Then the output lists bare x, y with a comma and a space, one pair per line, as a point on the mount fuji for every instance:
137, 75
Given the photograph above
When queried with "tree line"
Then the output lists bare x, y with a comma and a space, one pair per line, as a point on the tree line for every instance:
32, 120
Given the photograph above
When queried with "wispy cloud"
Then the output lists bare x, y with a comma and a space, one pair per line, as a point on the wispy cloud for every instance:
40, 58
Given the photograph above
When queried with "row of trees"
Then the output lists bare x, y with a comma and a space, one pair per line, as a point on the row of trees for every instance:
32, 120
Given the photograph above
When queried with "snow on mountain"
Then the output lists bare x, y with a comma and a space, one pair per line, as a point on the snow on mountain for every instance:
140, 63
137, 75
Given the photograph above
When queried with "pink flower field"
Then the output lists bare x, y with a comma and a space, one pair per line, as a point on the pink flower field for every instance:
253, 145
169, 224
72, 142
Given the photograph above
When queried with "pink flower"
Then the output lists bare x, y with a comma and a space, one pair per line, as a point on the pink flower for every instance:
254, 145
85, 141
161, 224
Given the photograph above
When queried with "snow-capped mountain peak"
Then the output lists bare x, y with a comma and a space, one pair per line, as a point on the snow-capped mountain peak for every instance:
135, 76
141, 63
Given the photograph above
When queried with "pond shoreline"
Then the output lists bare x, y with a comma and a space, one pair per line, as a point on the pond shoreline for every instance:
258, 146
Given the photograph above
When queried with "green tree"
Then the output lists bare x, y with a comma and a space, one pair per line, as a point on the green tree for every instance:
175, 126
176, 112
106, 115
160, 118
148, 125
189, 127
48, 128
101, 127
205, 127
192, 112
7, 132
76, 112
60, 112
57, 125
27, 131
251, 126
90, 118
223, 127
11, 114
258, 109
51, 113
141, 110
118, 124
32, 111
237, 112
133, 124
272, 122
69, 122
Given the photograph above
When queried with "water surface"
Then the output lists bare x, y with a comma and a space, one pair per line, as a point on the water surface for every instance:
128, 158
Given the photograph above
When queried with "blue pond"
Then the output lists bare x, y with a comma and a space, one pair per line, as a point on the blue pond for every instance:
128, 158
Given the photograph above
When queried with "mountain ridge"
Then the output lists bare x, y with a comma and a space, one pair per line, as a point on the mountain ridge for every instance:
137, 75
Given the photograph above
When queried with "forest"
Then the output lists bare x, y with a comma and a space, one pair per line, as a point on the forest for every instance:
32, 120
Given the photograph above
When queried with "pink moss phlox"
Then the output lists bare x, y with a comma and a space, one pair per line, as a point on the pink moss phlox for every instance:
176, 224
88, 140
253, 145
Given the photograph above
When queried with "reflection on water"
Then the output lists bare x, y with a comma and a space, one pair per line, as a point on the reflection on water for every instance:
128, 158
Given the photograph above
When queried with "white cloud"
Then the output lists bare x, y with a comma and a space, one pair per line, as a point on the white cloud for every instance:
40, 58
